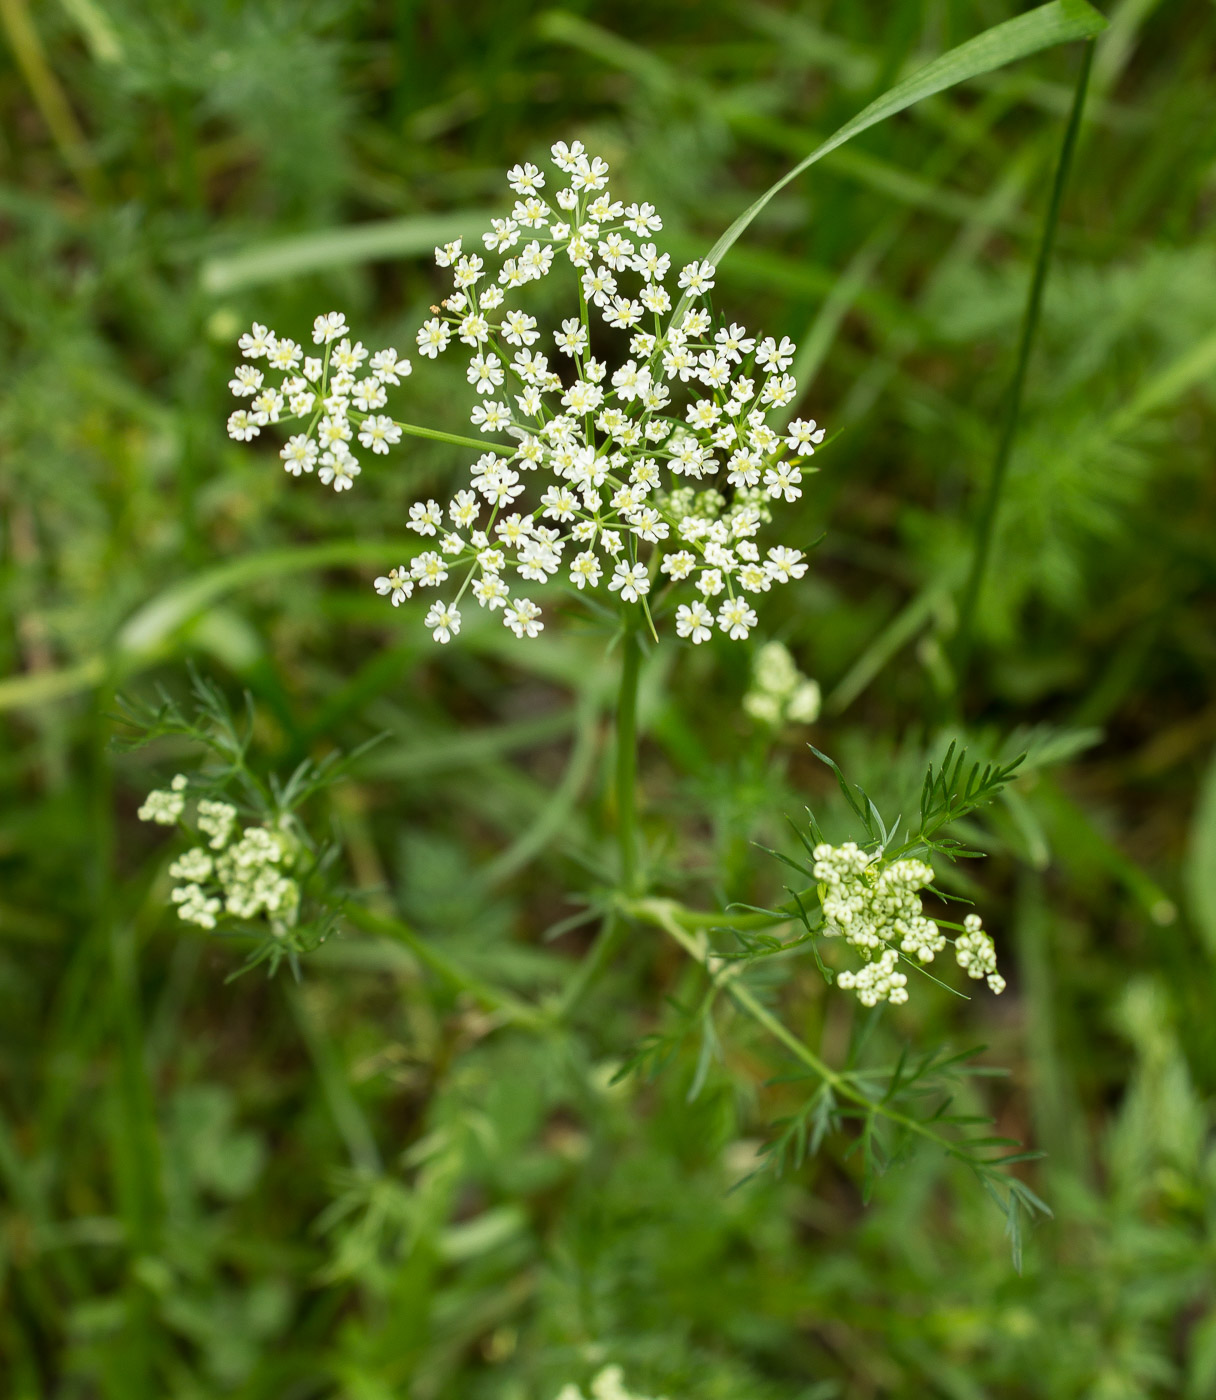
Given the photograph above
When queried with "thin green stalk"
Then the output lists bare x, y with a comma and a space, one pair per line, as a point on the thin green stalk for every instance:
661, 912
489, 998
613, 928
627, 763
597, 959
1030, 321
414, 430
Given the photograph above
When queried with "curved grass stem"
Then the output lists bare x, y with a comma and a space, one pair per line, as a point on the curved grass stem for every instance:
986, 521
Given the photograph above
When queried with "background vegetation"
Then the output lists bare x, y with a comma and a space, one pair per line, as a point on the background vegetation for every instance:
362, 1185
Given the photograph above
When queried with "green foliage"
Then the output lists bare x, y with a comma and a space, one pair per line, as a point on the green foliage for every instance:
440, 1165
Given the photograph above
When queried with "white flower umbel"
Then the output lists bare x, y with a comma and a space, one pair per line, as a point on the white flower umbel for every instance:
647, 473
875, 906
240, 873
976, 954
165, 805
779, 692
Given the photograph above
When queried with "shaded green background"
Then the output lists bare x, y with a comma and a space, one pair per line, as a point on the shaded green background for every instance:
352, 1187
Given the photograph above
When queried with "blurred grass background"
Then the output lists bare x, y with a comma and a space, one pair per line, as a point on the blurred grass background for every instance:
351, 1187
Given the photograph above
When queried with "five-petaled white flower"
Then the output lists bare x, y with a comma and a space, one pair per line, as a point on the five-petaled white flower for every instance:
444, 621
397, 585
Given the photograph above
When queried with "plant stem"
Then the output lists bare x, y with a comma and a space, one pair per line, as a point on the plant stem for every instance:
1030, 322
490, 999
661, 912
627, 763
415, 430
613, 927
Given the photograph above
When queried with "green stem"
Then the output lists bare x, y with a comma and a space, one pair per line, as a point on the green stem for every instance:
627, 763
662, 913
414, 430
1030, 322
490, 999
597, 959
613, 928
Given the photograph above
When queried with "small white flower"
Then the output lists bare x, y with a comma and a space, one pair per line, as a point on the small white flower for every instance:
491, 417
443, 621
783, 480
388, 369
299, 454
735, 618
464, 509
340, 468
525, 179
785, 564
284, 355
774, 357
397, 584
698, 277
256, 342
803, 436
678, 565
523, 618
433, 337
379, 433
369, 394
327, 328
426, 519
567, 157
599, 286
491, 592
519, 328
468, 271
630, 579
694, 620
429, 570
242, 425
585, 570
246, 380
589, 174
642, 219
572, 338
474, 329
485, 372
733, 343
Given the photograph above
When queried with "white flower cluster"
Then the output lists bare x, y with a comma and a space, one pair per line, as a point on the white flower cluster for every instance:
976, 954
875, 906
165, 806
609, 1384
335, 394
241, 873
780, 693
631, 456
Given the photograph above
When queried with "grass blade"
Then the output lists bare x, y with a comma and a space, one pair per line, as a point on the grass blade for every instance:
283, 258
1052, 24
1030, 323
